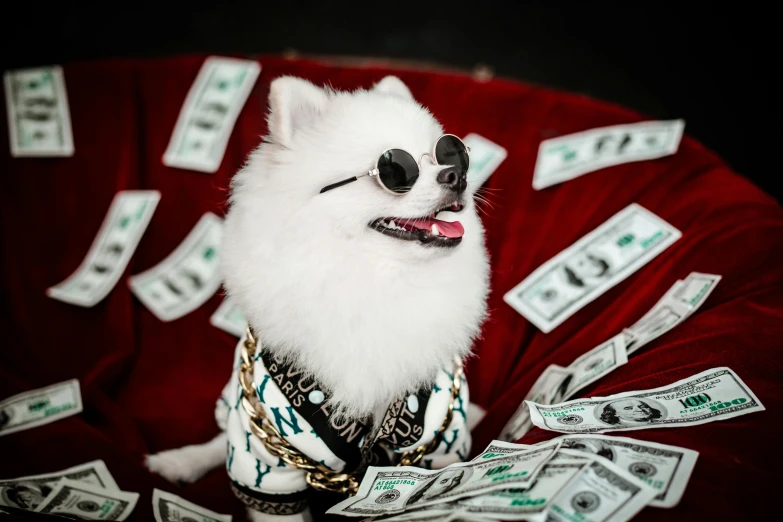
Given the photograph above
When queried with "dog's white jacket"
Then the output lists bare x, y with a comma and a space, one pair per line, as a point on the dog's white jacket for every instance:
290, 398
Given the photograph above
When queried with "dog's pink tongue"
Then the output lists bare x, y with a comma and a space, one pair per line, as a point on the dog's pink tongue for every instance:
450, 229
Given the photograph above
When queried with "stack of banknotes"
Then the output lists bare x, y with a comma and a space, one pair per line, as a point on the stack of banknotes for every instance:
583, 475
557, 383
563, 479
89, 492
611, 478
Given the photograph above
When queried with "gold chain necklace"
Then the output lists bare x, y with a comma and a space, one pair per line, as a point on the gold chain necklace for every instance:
317, 475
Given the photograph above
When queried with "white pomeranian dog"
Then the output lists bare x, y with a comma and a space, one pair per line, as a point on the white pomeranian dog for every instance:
353, 247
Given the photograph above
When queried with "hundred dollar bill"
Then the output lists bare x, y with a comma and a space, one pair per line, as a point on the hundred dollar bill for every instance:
654, 315
550, 387
168, 507
688, 294
499, 448
600, 492
678, 303
187, 277
596, 363
571, 481
432, 515
662, 318
129, 214
557, 384
712, 395
39, 122
591, 266
629, 338
665, 468
229, 319
38, 407
485, 158
695, 289
517, 503
209, 113
29, 492
392, 490
568, 157
88, 502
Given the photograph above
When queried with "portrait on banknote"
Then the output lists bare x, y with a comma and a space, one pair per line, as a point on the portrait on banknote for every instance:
577, 275
585, 269
24, 495
594, 446
630, 412
440, 485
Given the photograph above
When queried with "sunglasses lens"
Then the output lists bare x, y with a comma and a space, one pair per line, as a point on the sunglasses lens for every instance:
451, 151
397, 170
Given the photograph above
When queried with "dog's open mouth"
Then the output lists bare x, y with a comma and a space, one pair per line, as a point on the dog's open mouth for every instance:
426, 230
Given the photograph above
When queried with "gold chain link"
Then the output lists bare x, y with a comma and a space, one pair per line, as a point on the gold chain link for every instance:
317, 475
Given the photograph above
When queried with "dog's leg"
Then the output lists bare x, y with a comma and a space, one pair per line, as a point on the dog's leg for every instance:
475, 414
257, 516
189, 463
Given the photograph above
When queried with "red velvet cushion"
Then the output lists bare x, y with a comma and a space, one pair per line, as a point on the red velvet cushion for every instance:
150, 386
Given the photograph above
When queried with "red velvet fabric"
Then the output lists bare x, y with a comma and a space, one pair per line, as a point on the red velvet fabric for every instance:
150, 386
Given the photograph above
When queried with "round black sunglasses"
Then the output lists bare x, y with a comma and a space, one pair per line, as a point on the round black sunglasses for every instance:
396, 170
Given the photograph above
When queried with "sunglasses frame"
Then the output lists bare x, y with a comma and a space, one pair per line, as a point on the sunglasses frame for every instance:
375, 173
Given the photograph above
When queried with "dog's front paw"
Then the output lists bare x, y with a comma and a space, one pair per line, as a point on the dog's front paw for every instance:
177, 465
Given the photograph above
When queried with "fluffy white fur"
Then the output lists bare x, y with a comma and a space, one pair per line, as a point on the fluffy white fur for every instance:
370, 316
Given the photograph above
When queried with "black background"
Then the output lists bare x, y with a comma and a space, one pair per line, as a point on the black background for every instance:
712, 66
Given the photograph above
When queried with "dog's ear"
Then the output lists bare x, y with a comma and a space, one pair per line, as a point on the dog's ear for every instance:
394, 86
293, 102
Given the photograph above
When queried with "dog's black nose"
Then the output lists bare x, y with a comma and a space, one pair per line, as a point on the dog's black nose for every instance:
453, 179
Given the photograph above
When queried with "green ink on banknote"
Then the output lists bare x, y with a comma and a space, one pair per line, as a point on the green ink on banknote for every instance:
36, 406
649, 241
528, 501
490, 455
57, 409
